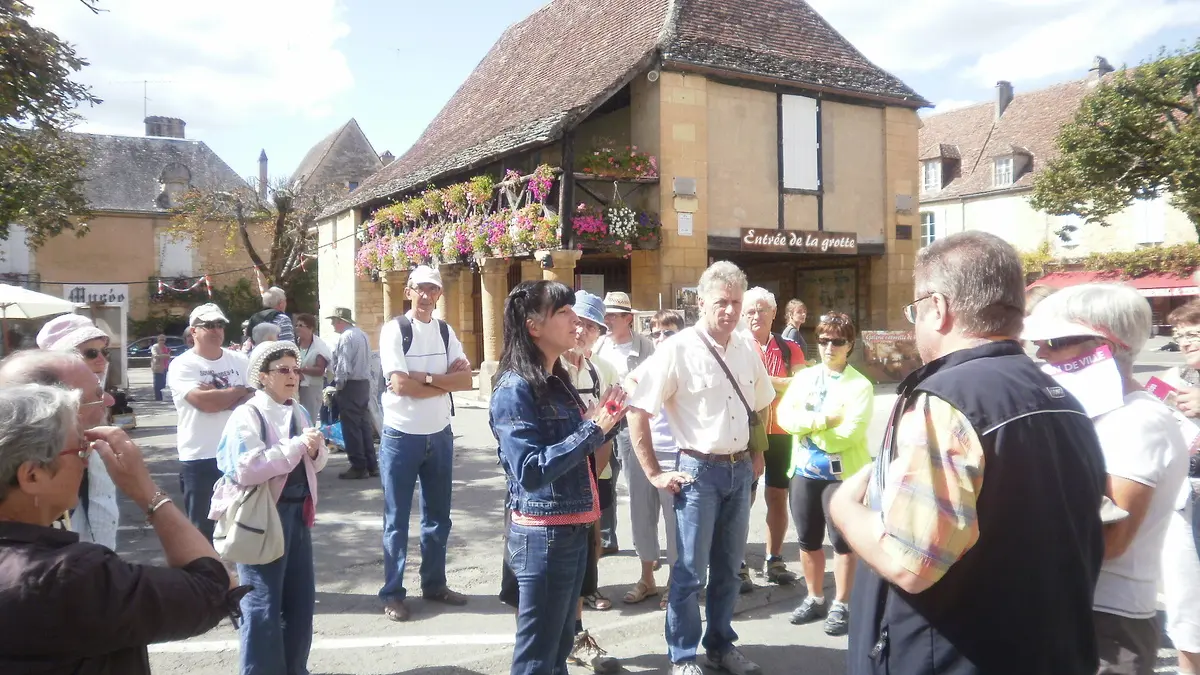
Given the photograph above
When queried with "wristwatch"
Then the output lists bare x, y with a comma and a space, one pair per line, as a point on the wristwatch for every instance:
428, 378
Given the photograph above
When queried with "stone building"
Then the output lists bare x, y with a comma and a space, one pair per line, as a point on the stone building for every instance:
342, 160
778, 146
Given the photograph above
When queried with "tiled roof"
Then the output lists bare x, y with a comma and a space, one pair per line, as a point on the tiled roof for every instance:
549, 71
1029, 125
123, 172
343, 156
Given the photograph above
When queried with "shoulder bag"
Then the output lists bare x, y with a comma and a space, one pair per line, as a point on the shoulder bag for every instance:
758, 430
250, 532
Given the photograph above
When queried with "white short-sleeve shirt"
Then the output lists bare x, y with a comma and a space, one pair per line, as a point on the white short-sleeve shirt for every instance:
426, 354
683, 379
199, 433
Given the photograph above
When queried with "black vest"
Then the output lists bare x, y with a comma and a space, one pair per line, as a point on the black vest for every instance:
1020, 600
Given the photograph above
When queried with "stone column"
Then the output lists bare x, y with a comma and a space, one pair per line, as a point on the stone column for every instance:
393, 293
449, 305
564, 267
494, 291
531, 270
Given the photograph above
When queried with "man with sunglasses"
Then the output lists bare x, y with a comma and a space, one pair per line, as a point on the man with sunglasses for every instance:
207, 382
978, 525
95, 519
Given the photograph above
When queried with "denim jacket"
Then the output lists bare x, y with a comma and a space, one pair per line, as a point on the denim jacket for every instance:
544, 445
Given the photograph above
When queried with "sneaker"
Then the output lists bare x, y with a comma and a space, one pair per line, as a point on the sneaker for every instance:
808, 611
838, 621
733, 661
747, 585
373, 473
588, 654
686, 668
778, 573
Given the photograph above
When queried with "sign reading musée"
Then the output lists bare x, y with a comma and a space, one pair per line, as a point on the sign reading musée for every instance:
799, 241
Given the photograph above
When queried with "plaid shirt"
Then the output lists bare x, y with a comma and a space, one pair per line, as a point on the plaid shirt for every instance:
930, 492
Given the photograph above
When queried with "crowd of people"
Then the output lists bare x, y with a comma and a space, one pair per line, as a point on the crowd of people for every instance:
1002, 525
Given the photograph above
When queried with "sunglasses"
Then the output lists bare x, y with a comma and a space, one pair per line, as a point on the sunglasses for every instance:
1064, 342
211, 325
836, 342
93, 353
284, 370
662, 333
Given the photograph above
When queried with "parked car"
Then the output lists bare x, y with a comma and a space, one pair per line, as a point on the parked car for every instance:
140, 349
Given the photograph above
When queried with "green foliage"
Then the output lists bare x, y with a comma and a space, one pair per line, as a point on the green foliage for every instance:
1136, 136
40, 183
1035, 262
1180, 260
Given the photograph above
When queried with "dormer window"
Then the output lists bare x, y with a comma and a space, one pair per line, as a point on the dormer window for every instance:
931, 175
1002, 171
173, 182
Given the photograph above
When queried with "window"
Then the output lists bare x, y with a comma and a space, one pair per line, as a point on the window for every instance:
351, 185
929, 233
1068, 238
174, 256
14, 252
931, 175
1002, 172
1149, 221
801, 147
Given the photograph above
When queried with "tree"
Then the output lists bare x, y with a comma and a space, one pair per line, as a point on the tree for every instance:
1136, 136
40, 183
277, 232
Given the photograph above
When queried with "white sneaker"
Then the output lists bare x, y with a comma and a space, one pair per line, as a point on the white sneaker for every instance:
733, 662
686, 668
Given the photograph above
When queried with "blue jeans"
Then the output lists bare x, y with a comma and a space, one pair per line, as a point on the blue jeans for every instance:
403, 459
196, 480
160, 381
549, 563
712, 516
277, 616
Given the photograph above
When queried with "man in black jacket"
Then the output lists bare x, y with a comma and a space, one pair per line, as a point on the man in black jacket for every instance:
978, 526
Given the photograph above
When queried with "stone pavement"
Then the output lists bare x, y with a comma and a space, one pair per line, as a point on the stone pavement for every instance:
352, 636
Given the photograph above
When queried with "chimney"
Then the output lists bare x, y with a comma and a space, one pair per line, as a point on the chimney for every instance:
262, 174
165, 127
387, 157
1100, 68
1004, 96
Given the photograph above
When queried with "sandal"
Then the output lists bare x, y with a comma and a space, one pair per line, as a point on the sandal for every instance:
666, 596
639, 593
597, 602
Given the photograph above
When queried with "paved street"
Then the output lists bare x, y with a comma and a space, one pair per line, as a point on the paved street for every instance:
353, 637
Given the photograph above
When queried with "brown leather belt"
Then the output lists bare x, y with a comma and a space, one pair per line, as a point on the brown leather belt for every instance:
707, 457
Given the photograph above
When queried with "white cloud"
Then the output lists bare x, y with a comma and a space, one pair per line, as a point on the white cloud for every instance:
1015, 40
218, 64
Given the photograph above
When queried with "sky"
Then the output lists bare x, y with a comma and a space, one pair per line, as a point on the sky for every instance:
279, 75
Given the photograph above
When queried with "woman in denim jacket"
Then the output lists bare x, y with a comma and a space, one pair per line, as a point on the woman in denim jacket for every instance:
545, 436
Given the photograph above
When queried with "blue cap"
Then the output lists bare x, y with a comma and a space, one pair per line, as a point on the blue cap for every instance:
590, 307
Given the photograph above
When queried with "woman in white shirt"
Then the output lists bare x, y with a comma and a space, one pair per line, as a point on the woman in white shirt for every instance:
315, 357
270, 440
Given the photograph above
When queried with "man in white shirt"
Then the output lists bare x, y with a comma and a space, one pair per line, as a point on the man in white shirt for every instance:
207, 383
423, 362
624, 349
709, 416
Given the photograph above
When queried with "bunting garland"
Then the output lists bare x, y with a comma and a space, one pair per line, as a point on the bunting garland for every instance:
202, 281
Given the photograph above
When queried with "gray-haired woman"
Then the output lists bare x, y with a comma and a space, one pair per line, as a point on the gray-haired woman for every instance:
100, 616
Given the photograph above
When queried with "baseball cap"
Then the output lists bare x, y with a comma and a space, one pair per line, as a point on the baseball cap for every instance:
424, 274
206, 312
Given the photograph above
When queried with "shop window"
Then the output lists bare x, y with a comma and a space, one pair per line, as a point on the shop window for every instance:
929, 231
931, 175
801, 147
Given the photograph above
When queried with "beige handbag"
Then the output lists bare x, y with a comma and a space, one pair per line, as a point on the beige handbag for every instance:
250, 532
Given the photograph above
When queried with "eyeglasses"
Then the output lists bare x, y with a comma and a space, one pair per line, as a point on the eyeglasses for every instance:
1064, 342
92, 353
210, 325
664, 334
910, 310
836, 342
82, 452
286, 371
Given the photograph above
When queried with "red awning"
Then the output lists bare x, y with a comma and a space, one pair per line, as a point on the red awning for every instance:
1150, 285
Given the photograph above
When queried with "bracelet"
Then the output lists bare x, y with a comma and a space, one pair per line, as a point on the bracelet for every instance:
156, 503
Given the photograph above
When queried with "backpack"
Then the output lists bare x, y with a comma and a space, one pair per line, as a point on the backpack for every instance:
785, 353
406, 338
264, 316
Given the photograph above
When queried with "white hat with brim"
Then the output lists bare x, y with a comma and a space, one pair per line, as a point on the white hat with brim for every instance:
1043, 327
67, 332
262, 352
616, 302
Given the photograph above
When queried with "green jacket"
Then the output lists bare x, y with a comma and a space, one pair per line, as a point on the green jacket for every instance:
851, 394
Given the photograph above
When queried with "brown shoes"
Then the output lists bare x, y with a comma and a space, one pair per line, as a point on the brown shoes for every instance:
445, 596
396, 610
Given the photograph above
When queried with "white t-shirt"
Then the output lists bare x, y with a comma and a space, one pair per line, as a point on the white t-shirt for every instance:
200, 432
1141, 442
426, 354
617, 356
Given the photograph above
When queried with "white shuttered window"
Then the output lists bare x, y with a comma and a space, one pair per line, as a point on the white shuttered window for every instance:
800, 143
14, 252
174, 256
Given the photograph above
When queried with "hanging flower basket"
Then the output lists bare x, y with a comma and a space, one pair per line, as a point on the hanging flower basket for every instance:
617, 229
613, 162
